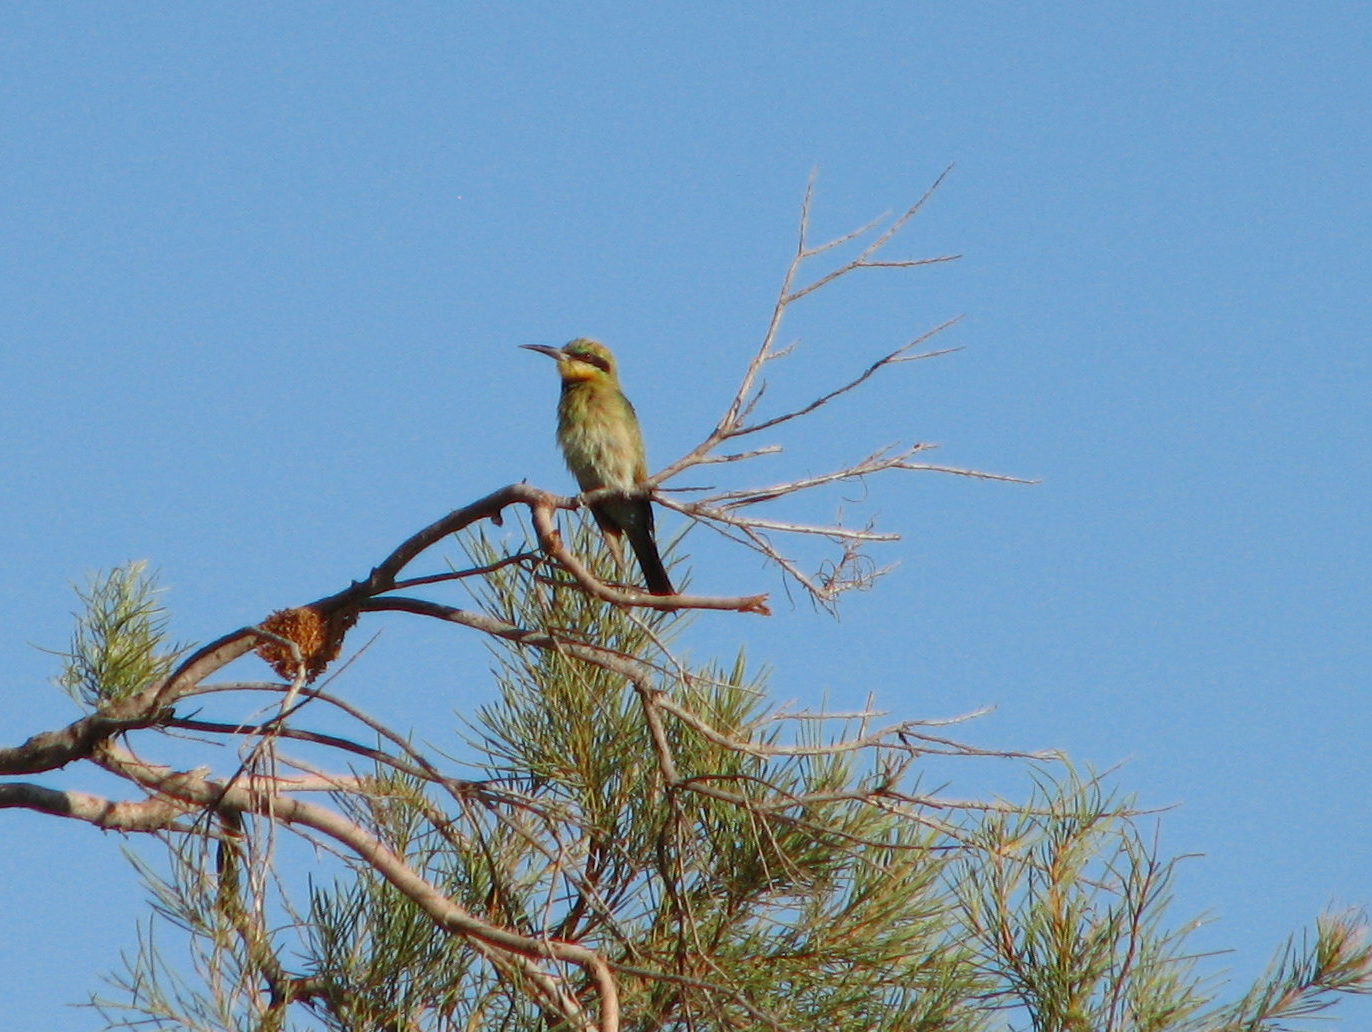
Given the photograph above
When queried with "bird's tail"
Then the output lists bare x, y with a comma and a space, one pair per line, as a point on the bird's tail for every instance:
650, 562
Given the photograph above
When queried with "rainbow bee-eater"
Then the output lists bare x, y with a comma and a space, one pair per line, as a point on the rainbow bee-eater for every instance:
598, 432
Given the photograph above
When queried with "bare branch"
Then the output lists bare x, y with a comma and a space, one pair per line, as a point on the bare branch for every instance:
195, 789
900, 354
156, 814
551, 541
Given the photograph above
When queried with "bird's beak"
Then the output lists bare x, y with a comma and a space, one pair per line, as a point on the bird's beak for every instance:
543, 349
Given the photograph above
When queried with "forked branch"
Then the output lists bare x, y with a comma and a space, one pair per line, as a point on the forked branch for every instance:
721, 510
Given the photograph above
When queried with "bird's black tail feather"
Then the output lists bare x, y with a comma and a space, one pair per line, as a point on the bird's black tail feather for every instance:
633, 518
654, 573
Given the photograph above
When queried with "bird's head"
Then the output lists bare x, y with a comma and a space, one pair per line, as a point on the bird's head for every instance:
581, 359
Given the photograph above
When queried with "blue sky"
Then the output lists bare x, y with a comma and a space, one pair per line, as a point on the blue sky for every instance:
265, 267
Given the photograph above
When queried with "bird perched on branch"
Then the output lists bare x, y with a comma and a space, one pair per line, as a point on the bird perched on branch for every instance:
598, 432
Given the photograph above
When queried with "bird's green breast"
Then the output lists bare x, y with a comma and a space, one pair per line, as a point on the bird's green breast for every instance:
599, 435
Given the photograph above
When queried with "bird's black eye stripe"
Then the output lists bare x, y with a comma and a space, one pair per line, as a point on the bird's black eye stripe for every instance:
592, 359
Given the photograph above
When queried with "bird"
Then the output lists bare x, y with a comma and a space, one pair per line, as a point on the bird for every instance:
598, 432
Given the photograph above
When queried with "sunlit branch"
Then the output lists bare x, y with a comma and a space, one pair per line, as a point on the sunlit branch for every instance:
250, 797
148, 815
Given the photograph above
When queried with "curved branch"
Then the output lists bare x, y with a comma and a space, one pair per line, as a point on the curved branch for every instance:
157, 814
50, 750
551, 542
194, 789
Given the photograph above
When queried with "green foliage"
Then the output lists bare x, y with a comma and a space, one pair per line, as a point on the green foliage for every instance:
732, 871
759, 888
1306, 976
119, 643
1065, 900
